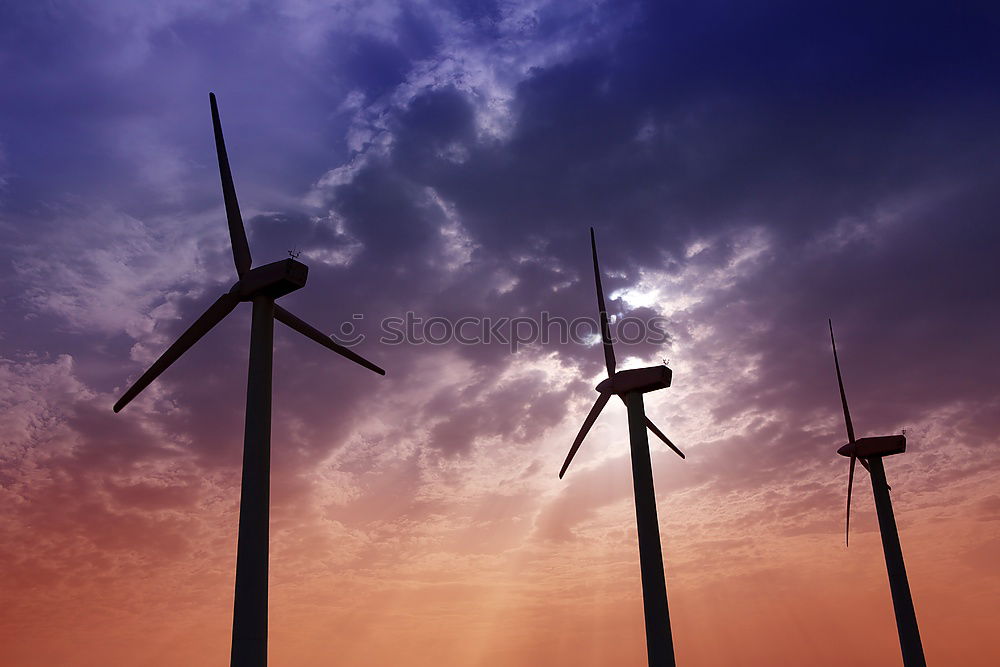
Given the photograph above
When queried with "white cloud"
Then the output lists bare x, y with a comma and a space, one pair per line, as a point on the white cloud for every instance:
487, 71
676, 290
126, 279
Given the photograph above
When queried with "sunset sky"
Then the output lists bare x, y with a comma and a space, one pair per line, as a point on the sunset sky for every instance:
750, 168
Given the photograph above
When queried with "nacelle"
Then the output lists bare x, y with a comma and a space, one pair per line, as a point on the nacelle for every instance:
880, 445
273, 280
637, 379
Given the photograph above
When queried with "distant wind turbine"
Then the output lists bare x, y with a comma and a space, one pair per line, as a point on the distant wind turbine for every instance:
260, 286
870, 451
630, 385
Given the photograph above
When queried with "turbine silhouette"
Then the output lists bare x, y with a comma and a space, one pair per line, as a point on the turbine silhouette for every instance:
630, 385
260, 286
870, 451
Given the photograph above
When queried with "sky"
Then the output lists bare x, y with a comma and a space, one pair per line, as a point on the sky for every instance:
750, 168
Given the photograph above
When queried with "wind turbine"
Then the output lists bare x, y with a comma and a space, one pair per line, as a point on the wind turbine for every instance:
630, 385
870, 451
260, 286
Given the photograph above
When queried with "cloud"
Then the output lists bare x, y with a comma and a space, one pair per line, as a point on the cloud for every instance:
750, 171
117, 283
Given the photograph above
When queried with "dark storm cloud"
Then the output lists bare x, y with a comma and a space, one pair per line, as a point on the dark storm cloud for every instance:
858, 141
667, 136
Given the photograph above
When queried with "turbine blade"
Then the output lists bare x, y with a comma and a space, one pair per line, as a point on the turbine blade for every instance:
237, 233
312, 332
850, 486
840, 381
218, 310
602, 400
609, 350
659, 434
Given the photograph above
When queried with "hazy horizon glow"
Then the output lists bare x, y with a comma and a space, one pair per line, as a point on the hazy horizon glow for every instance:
750, 170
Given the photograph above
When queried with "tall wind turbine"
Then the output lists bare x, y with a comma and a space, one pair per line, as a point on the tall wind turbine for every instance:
870, 451
260, 286
630, 385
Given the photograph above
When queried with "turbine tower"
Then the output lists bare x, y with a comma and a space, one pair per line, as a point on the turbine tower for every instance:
630, 385
260, 286
870, 451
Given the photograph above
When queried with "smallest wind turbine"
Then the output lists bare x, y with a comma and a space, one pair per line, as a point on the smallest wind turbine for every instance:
630, 385
870, 452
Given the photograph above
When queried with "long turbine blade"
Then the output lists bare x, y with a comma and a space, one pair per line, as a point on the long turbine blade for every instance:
237, 233
659, 434
218, 310
602, 400
840, 381
312, 332
609, 350
850, 486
